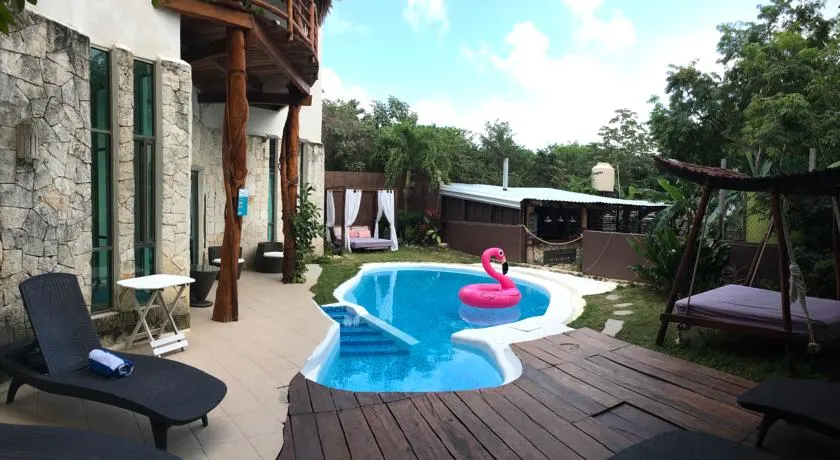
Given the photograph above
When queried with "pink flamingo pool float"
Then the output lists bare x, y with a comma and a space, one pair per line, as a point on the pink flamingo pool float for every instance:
502, 295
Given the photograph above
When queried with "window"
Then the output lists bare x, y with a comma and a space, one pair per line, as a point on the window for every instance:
101, 263
272, 188
144, 168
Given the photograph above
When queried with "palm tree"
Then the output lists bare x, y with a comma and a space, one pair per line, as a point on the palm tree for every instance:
410, 152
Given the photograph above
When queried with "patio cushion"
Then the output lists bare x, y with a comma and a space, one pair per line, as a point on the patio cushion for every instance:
273, 254
219, 260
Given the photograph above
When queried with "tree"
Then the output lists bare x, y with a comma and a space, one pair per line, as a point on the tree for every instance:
413, 152
496, 144
348, 139
390, 112
626, 144
8, 9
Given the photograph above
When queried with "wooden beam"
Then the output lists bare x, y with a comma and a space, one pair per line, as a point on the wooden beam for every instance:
289, 181
259, 98
234, 172
211, 12
208, 51
261, 39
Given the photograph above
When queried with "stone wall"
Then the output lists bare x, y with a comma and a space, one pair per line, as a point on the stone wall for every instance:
313, 174
174, 161
45, 208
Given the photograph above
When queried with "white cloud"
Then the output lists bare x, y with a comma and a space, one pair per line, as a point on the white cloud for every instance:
334, 88
426, 13
615, 34
336, 25
568, 97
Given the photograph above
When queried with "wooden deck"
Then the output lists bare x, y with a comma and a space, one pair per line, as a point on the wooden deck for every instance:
581, 395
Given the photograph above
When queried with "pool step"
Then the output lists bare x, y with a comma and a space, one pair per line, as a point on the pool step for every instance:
357, 337
349, 349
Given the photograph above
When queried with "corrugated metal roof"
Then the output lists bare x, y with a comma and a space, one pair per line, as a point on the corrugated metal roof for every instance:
514, 196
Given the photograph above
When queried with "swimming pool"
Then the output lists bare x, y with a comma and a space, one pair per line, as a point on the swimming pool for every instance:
420, 311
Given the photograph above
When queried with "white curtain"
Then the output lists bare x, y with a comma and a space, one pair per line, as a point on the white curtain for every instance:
352, 202
386, 206
330, 214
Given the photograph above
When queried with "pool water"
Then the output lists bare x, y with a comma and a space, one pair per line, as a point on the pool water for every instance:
424, 304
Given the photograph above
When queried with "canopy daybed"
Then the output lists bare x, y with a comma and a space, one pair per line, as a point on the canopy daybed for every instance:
745, 308
350, 237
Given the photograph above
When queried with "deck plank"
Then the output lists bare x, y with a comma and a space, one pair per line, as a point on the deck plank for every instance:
530, 359
567, 351
531, 349
675, 396
387, 432
360, 440
614, 440
504, 430
287, 452
455, 436
532, 431
344, 399
583, 388
487, 437
565, 432
605, 341
307, 445
331, 434
420, 436
701, 374
648, 422
560, 407
391, 396
367, 398
299, 396
573, 345
320, 397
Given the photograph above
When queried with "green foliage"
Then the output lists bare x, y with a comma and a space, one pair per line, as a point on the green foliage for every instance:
8, 9
408, 227
307, 227
662, 251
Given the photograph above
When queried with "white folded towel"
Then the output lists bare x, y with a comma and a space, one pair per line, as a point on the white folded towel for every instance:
109, 364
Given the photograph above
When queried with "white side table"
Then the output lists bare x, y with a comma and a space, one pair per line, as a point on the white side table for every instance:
155, 284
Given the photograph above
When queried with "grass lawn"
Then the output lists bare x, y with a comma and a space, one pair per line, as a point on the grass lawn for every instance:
750, 357
338, 270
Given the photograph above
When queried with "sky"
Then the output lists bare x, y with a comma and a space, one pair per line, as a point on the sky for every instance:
555, 69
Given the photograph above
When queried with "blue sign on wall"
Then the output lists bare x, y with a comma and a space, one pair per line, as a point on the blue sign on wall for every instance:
242, 203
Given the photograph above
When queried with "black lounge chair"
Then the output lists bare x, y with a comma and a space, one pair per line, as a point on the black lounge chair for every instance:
813, 404
51, 443
269, 257
168, 392
689, 445
214, 254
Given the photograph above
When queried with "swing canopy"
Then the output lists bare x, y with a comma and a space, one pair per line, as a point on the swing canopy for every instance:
787, 314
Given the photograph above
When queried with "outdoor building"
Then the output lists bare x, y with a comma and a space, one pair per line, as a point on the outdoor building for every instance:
534, 225
111, 116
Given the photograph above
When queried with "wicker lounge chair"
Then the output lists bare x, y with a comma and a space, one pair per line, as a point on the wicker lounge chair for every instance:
214, 254
51, 443
269, 258
168, 392
813, 404
689, 445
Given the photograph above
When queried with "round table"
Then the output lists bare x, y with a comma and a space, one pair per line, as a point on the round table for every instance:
204, 276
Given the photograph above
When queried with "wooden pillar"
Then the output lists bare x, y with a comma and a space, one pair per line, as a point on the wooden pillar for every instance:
784, 277
584, 216
289, 181
684, 262
234, 169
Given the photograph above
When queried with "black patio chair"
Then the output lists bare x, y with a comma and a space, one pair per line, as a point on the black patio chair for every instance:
53, 443
168, 392
214, 255
269, 258
814, 404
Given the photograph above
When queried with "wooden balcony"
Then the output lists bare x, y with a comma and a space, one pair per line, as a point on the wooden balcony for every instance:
281, 47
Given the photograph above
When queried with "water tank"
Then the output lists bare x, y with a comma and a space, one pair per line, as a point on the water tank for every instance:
603, 177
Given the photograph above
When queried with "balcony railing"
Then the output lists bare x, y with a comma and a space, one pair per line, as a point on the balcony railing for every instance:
300, 17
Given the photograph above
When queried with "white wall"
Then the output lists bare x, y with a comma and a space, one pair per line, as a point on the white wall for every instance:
263, 122
148, 32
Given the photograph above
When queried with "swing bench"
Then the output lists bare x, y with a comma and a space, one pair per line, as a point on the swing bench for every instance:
789, 315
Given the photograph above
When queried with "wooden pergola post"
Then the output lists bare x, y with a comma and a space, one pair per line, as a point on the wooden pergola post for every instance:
289, 182
683, 268
234, 170
784, 277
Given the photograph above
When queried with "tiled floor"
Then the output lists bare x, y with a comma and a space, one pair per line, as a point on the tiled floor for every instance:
256, 357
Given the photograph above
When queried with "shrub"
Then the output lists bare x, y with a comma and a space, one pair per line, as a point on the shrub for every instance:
408, 227
307, 226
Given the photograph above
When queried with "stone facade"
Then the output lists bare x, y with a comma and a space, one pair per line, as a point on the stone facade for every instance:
312, 173
174, 161
122, 77
45, 207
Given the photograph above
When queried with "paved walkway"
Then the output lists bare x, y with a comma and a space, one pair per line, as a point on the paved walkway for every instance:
256, 357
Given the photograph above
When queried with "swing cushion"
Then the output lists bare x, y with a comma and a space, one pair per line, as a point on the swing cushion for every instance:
755, 307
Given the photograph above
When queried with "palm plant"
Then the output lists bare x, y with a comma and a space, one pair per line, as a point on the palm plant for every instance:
411, 151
